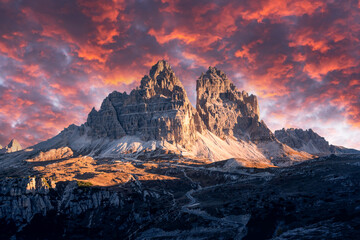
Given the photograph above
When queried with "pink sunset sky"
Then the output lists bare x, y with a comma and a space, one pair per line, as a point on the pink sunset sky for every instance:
301, 58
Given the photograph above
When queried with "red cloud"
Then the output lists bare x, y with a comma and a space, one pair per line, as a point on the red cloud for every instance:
267, 9
58, 59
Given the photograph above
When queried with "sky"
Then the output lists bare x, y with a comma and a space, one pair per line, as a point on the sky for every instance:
60, 58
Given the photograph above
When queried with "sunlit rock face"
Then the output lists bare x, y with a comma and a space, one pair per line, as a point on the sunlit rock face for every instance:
226, 111
159, 109
52, 154
13, 146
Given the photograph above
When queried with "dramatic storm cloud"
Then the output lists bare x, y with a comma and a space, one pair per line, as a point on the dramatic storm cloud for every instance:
58, 59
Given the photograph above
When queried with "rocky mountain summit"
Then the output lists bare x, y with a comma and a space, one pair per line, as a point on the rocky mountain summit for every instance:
13, 146
310, 142
227, 111
158, 118
159, 109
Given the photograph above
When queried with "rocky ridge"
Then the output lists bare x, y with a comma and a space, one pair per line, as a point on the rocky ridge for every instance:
310, 142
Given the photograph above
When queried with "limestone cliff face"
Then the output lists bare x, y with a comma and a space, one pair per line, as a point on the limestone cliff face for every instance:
226, 111
159, 109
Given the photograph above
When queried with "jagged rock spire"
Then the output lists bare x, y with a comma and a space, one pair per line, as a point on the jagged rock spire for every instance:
160, 67
162, 80
159, 110
227, 111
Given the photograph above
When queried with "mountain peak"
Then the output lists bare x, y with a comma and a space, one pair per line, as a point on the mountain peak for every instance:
13, 146
225, 110
158, 110
160, 77
160, 66
213, 72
